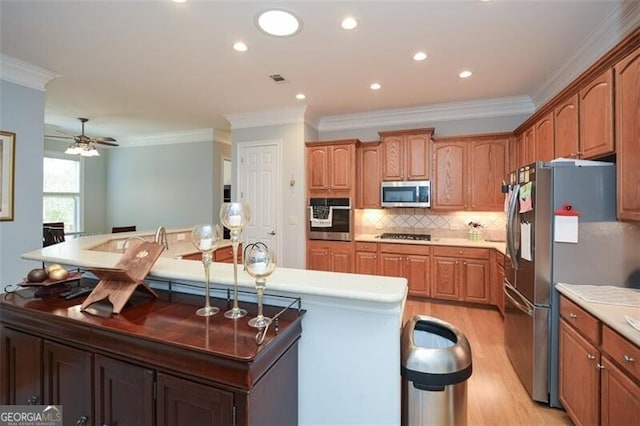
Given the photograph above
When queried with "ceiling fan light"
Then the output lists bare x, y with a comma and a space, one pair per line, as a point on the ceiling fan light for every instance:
73, 149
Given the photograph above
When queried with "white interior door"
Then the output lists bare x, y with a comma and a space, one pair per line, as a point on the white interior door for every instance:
258, 177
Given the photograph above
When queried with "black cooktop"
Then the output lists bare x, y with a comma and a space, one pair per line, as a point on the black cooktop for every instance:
400, 236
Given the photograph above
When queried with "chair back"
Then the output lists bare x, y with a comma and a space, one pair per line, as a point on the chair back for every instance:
117, 229
52, 233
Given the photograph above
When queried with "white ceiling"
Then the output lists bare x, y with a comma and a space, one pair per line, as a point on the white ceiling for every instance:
138, 68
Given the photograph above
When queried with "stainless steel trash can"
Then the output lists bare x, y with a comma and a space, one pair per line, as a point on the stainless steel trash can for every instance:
435, 365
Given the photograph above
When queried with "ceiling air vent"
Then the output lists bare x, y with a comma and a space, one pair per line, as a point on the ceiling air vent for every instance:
277, 78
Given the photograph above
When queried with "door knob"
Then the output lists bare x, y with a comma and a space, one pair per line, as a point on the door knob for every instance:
272, 233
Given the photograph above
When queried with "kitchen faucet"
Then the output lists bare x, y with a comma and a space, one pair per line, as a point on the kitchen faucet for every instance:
161, 237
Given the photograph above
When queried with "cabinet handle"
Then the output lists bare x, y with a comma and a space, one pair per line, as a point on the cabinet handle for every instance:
82, 421
628, 359
589, 356
33, 400
599, 366
573, 316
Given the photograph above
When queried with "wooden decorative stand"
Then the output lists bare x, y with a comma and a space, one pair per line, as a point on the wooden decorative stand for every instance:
117, 284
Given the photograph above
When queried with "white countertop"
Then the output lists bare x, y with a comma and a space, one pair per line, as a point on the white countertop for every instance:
436, 241
77, 252
613, 315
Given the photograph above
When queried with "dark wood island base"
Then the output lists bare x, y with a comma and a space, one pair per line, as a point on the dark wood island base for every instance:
155, 363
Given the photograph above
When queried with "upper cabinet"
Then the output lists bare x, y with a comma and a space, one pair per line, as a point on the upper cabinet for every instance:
596, 116
566, 130
544, 138
469, 171
330, 167
406, 154
628, 136
369, 165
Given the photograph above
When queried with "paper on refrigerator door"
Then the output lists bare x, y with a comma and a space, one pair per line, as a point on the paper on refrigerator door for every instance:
566, 229
525, 241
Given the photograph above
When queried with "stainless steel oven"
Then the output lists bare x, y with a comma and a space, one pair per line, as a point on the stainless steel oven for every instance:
330, 219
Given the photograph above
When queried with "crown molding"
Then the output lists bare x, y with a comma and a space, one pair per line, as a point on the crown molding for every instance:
25, 74
623, 19
171, 138
486, 108
271, 117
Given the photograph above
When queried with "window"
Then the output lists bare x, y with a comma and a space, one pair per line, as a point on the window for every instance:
61, 192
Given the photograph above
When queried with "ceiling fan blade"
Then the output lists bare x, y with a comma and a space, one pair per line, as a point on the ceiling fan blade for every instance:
104, 139
105, 143
59, 137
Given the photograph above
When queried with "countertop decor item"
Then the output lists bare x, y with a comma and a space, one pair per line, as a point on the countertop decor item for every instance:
235, 216
205, 240
259, 262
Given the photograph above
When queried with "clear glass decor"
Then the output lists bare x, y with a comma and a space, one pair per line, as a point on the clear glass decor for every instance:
205, 240
235, 216
259, 262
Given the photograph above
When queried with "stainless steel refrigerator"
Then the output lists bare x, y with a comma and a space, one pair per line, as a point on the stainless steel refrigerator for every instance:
539, 256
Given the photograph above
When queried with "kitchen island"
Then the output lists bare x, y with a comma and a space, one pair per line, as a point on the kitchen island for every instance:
349, 352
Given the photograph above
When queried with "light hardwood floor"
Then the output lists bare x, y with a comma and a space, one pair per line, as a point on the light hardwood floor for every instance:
495, 394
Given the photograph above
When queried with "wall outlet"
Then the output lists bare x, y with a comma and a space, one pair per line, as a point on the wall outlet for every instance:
379, 226
180, 237
293, 220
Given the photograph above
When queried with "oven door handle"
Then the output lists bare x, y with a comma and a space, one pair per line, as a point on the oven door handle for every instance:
526, 306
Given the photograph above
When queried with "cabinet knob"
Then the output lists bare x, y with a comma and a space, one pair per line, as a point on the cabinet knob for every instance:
628, 359
82, 421
589, 356
573, 316
33, 400
599, 366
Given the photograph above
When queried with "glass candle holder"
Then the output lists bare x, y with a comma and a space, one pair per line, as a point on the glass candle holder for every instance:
259, 262
205, 240
235, 216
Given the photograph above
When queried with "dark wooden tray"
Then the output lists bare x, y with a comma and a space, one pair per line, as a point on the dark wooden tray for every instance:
76, 275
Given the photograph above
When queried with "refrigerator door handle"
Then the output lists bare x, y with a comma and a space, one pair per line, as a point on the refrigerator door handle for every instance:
525, 306
513, 236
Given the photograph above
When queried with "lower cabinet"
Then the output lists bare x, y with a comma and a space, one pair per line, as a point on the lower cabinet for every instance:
408, 261
333, 256
599, 376
367, 258
461, 273
153, 365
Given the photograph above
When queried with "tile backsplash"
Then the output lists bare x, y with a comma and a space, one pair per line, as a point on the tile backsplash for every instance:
438, 224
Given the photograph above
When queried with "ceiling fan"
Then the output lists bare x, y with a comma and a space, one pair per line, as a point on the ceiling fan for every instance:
85, 145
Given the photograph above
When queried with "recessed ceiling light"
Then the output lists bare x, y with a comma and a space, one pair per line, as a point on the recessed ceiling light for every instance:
419, 56
349, 23
179, 1
300, 96
375, 86
278, 23
465, 74
240, 46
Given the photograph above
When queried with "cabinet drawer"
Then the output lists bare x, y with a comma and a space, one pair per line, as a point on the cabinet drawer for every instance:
583, 321
405, 249
372, 247
622, 351
466, 252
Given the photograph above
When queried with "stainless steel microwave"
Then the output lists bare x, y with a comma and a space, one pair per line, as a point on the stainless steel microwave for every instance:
406, 194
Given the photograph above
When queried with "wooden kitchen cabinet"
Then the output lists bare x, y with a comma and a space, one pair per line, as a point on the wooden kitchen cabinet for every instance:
461, 273
333, 256
544, 134
469, 171
369, 166
410, 261
599, 377
331, 167
133, 369
627, 136
529, 146
406, 154
367, 258
596, 116
566, 129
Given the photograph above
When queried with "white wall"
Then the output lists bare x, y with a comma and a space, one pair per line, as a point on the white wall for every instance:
22, 113
169, 185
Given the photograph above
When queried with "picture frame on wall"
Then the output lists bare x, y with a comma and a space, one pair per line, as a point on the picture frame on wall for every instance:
7, 173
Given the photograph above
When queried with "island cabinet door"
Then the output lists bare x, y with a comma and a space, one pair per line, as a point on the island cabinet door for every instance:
67, 382
183, 402
123, 393
21, 361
